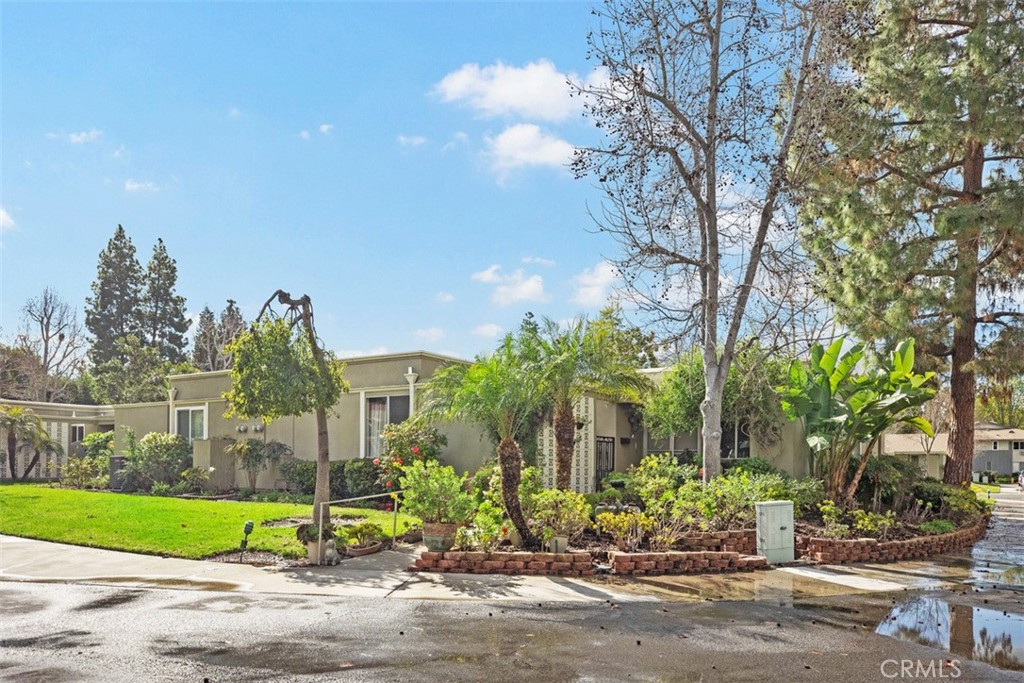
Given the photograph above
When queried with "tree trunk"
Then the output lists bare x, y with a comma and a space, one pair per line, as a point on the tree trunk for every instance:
12, 444
322, 492
565, 441
960, 454
28, 468
851, 491
711, 431
510, 460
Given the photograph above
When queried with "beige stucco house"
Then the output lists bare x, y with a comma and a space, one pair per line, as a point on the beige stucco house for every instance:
996, 449
383, 389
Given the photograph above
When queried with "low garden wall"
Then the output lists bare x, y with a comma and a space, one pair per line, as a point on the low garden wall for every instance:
835, 551
682, 562
742, 541
542, 564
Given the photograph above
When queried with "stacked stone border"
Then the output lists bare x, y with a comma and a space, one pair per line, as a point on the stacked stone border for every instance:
834, 551
720, 551
531, 564
683, 562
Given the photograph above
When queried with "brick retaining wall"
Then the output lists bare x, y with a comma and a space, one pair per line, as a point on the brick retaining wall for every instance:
742, 541
683, 562
543, 564
835, 551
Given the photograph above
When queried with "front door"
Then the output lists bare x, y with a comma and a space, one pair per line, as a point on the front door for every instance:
605, 458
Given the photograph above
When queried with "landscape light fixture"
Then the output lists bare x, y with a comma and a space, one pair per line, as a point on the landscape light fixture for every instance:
247, 529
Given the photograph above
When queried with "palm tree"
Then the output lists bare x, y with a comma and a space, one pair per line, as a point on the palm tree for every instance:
25, 431
501, 392
579, 359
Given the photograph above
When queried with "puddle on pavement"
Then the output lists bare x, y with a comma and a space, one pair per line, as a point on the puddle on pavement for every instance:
151, 582
293, 658
772, 586
980, 634
112, 600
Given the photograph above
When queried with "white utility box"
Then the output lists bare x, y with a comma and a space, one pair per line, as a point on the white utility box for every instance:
775, 531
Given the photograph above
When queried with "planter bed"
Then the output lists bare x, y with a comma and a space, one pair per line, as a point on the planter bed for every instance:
844, 551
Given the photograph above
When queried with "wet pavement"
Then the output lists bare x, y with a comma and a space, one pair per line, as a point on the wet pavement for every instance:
960, 616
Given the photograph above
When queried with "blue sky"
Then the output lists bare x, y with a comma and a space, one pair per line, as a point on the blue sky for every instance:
404, 164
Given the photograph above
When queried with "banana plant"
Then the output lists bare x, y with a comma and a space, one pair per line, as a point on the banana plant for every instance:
844, 409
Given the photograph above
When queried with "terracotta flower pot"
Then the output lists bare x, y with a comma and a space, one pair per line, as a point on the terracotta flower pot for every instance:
356, 551
439, 536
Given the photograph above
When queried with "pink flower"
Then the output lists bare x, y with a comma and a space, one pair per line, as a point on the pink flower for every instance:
376, 461
415, 450
389, 484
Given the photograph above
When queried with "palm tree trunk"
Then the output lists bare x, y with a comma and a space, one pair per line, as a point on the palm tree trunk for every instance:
510, 460
12, 443
28, 468
565, 442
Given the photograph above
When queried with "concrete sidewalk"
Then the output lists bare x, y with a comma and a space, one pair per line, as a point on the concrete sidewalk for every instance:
381, 575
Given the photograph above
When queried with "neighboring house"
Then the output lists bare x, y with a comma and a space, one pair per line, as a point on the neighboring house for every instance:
383, 390
996, 449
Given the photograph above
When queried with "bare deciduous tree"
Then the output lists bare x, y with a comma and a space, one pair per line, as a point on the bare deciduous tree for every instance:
705, 108
50, 333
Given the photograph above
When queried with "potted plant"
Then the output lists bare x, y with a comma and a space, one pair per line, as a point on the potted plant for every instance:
309, 534
560, 517
438, 496
367, 537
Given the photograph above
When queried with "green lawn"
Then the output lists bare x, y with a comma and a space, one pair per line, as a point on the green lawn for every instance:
982, 489
156, 525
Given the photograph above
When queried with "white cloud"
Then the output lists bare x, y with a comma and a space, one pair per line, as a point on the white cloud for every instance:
488, 274
411, 140
304, 134
538, 260
360, 353
80, 138
457, 139
6, 222
593, 283
445, 297
325, 128
488, 331
514, 287
525, 144
234, 113
429, 334
119, 153
140, 186
519, 287
535, 91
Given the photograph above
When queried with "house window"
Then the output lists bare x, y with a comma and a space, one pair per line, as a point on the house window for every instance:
77, 433
995, 445
191, 424
380, 412
735, 440
1018, 445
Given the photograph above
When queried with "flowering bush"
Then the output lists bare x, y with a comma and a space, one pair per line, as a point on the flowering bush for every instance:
404, 444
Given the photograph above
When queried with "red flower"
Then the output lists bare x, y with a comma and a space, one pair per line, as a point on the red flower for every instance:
398, 461
376, 461
415, 450
389, 484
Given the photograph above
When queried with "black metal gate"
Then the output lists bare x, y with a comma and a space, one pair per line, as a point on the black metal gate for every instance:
605, 458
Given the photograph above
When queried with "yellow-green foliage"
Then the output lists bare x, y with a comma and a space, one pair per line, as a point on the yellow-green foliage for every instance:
627, 529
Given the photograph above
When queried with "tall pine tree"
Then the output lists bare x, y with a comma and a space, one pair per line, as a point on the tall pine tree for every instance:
114, 309
204, 344
163, 311
917, 222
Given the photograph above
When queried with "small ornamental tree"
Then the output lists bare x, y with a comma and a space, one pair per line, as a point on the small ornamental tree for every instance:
280, 370
843, 411
255, 455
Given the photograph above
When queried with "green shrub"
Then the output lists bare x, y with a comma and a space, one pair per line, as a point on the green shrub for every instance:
85, 472
873, 524
727, 502
195, 480
405, 443
559, 513
937, 526
627, 529
99, 445
486, 532
480, 482
958, 505
833, 516
362, 479
365, 533
753, 465
531, 482
156, 458
435, 493
884, 478
300, 477
255, 455
161, 489
656, 477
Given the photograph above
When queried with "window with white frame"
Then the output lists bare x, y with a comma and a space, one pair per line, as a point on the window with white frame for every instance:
1018, 445
191, 424
995, 445
77, 433
380, 412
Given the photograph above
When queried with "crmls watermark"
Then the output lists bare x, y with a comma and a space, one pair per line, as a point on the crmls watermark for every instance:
921, 668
